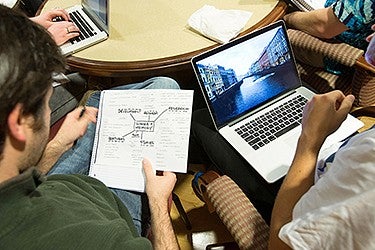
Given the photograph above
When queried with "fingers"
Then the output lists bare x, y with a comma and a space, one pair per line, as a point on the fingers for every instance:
59, 12
169, 174
147, 167
150, 173
90, 113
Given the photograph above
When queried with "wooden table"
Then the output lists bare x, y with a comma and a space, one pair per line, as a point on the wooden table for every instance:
151, 37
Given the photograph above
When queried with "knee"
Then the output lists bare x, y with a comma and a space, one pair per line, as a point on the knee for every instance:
162, 82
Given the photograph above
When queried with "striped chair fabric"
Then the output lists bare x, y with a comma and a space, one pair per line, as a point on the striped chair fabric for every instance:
361, 84
237, 213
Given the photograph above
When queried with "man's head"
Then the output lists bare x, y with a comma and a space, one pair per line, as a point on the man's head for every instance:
28, 57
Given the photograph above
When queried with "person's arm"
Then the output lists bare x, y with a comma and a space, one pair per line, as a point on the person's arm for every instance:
73, 127
322, 116
158, 189
321, 23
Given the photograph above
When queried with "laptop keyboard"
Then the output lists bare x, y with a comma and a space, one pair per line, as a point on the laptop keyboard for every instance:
85, 28
273, 124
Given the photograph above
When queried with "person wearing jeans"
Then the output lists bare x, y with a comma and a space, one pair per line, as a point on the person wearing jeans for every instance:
77, 159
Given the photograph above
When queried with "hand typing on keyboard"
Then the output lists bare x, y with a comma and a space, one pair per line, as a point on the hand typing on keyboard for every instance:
58, 24
63, 31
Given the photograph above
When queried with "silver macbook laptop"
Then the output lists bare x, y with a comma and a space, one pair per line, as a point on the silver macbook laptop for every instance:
92, 18
256, 98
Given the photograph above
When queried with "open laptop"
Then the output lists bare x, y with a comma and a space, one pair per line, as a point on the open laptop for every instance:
92, 18
256, 98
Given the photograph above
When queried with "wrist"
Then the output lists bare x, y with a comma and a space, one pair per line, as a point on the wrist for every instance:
158, 203
310, 144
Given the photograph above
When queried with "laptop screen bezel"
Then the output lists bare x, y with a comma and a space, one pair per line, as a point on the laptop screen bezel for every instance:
103, 24
196, 59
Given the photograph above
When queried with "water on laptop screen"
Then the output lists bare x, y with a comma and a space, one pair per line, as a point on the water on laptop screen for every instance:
98, 8
249, 73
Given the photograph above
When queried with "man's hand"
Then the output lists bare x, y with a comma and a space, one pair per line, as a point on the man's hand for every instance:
74, 126
46, 19
158, 189
324, 114
61, 32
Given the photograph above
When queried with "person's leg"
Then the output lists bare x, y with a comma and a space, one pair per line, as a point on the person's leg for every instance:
77, 159
208, 146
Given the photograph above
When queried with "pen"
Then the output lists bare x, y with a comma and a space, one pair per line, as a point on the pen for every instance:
82, 111
80, 115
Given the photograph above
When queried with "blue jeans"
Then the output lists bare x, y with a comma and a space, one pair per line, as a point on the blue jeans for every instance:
77, 159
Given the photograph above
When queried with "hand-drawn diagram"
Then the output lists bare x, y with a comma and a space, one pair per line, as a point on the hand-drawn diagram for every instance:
143, 125
137, 124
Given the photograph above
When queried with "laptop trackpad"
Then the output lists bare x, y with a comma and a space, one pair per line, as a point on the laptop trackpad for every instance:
291, 140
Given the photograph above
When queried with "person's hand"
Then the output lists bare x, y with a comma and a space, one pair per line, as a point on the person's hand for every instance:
74, 126
158, 187
61, 32
323, 114
46, 19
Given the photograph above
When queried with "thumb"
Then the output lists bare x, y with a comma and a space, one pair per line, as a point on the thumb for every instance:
147, 167
346, 104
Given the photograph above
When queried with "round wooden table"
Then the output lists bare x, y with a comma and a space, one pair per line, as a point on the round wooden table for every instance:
151, 37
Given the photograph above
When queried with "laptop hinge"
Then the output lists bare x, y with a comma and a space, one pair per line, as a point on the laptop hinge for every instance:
262, 107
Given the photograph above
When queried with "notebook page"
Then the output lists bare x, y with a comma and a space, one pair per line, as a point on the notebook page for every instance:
137, 124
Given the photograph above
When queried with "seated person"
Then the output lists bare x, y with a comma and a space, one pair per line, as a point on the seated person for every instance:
347, 20
328, 202
209, 147
325, 202
68, 210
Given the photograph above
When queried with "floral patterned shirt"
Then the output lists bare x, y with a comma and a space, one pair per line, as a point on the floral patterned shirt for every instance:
358, 16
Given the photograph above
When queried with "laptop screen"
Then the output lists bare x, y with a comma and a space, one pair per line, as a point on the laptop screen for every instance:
99, 11
246, 73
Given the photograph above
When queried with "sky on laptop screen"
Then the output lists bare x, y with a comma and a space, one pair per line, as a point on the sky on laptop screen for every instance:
247, 74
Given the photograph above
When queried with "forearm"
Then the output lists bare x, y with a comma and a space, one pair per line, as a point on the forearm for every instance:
321, 23
162, 230
297, 182
51, 154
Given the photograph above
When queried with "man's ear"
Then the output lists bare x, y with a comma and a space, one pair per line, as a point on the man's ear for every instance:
16, 123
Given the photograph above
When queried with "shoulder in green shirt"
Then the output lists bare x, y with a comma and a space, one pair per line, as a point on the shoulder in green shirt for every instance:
64, 211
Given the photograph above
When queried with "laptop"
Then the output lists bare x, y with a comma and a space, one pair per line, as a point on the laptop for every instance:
92, 18
256, 98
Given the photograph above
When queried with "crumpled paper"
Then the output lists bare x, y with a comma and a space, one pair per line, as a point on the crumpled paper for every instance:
219, 25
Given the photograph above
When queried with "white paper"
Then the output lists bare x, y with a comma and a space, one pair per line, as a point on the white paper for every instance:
316, 4
307, 5
137, 124
219, 25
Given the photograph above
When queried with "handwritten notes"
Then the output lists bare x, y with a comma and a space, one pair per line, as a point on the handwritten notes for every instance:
137, 124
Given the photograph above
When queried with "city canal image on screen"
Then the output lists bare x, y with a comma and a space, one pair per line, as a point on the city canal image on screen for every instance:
248, 74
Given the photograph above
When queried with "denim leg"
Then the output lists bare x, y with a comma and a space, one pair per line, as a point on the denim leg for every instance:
77, 159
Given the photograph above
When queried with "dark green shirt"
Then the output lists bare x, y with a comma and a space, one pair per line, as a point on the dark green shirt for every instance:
64, 212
